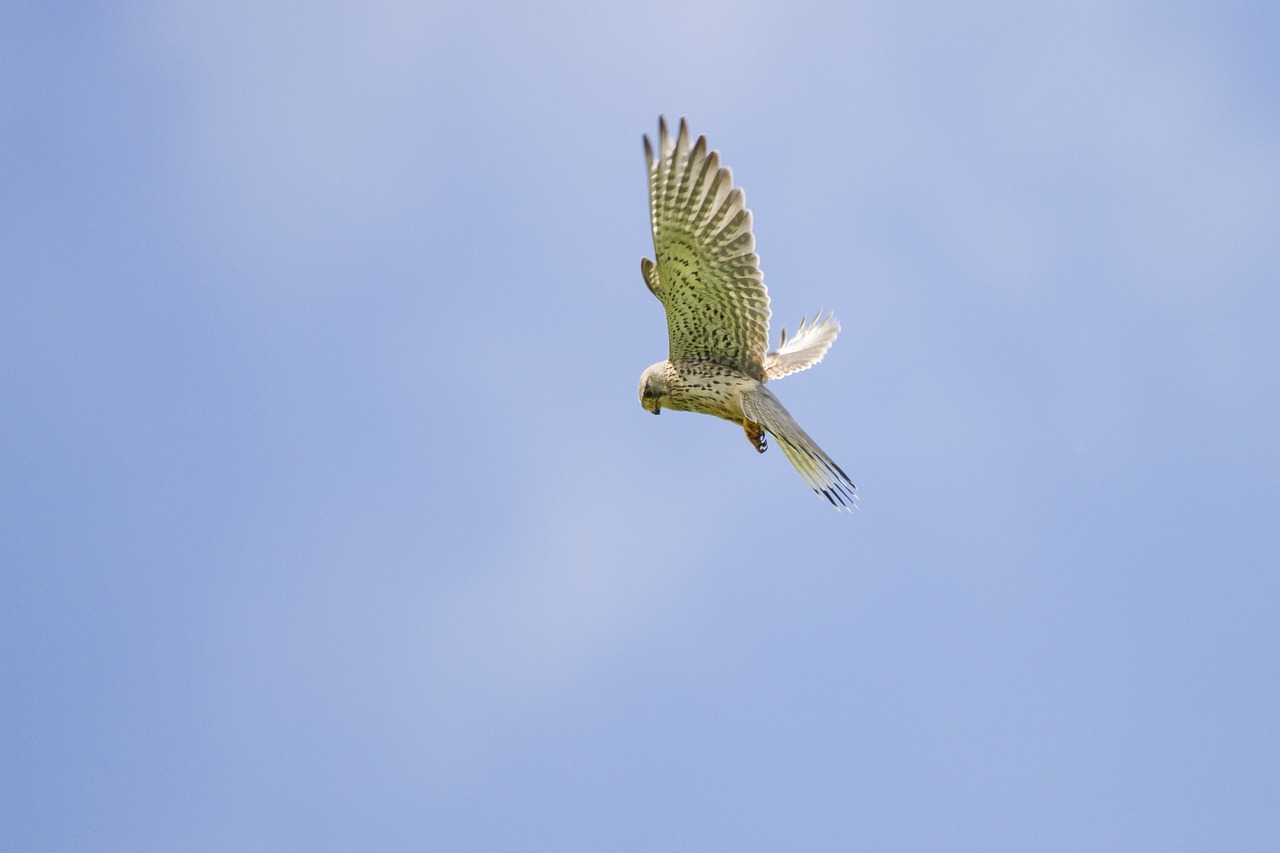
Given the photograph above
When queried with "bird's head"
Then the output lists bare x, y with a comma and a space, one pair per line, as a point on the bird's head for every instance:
654, 387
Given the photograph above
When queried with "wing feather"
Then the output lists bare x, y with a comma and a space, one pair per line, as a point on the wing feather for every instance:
817, 468
707, 272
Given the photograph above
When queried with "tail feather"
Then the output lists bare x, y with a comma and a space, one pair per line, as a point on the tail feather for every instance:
810, 344
817, 468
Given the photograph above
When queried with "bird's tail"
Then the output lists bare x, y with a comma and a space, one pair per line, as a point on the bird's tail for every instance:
810, 344
817, 468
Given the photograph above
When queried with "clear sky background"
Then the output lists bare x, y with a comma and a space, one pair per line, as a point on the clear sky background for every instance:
331, 520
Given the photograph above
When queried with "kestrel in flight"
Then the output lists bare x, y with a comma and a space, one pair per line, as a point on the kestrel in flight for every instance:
707, 277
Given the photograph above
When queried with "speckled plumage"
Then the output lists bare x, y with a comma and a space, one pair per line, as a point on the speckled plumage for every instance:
707, 277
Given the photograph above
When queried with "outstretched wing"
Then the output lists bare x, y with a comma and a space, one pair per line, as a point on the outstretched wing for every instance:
806, 349
707, 274
817, 468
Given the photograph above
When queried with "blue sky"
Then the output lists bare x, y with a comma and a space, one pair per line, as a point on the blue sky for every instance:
331, 519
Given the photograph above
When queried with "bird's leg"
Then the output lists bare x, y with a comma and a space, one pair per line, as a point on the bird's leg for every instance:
755, 434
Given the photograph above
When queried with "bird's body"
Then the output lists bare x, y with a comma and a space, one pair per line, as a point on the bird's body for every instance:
708, 278
701, 386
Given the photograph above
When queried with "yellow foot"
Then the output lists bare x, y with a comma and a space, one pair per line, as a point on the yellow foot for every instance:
755, 434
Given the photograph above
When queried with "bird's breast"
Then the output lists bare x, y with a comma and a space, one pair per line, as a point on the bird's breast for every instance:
710, 389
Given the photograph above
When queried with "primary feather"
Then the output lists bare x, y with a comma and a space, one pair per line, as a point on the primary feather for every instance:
817, 468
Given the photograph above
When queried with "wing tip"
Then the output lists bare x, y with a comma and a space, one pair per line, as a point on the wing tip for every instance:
840, 496
699, 146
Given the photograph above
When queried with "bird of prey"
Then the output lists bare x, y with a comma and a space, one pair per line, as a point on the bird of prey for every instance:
707, 277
